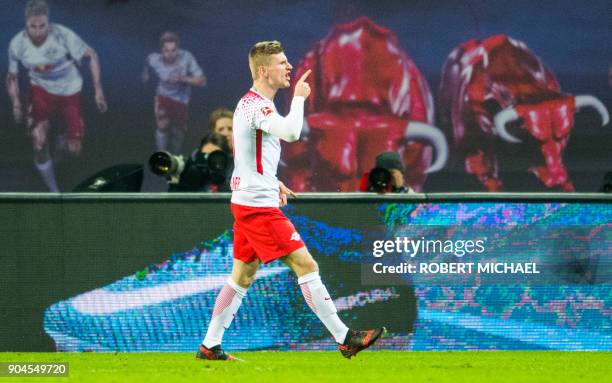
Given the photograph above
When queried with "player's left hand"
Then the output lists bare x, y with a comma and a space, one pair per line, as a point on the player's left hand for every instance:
283, 193
101, 101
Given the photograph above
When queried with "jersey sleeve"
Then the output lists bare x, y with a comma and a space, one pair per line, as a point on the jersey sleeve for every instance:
287, 128
75, 45
193, 68
149, 60
13, 58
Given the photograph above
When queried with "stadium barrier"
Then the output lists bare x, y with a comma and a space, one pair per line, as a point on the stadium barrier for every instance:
140, 272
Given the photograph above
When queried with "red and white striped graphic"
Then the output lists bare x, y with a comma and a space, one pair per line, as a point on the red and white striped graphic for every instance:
258, 136
224, 299
308, 296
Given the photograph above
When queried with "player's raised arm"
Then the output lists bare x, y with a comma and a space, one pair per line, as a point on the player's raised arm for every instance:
289, 128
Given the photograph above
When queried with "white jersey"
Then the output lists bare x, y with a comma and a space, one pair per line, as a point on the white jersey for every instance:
256, 153
185, 65
52, 64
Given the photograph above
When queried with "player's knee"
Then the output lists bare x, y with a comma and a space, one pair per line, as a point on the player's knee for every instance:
39, 142
308, 265
163, 124
74, 146
245, 281
38, 145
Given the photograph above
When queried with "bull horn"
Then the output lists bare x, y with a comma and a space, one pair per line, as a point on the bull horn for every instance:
586, 100
501, 119
435, 136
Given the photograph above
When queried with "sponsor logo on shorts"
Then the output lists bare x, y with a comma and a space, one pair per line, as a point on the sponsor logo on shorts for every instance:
295, 236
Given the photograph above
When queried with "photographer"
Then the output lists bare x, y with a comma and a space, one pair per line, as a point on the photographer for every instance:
207, 169
387, 176
214, 142
221, 121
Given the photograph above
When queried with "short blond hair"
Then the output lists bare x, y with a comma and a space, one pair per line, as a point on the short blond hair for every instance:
36, 8
169, 37
260, 55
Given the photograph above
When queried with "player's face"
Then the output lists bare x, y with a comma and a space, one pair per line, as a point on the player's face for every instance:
37, 28
169, 52
223, 126
279, 71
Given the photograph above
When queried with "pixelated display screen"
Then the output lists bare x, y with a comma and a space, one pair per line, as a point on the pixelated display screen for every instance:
167, 306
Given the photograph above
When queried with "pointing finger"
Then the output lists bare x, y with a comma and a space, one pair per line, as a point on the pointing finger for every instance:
303, 78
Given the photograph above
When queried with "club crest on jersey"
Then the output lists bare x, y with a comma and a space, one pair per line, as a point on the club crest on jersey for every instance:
295, 236
51, 53
42, 68
266, 110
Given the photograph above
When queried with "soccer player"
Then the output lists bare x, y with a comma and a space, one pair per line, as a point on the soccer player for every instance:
262, 233
177, 70
50, 53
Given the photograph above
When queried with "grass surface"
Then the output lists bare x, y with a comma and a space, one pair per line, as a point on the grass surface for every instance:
295, 367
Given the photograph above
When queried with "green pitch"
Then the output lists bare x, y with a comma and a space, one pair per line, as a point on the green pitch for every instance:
295, 367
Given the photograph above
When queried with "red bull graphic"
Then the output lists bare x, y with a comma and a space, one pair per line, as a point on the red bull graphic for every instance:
367, 97
496, 86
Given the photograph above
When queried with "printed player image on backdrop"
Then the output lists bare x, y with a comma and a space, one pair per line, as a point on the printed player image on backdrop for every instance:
477, 96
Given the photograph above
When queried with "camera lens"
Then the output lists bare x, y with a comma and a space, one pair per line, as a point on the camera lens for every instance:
217, 161
379, 180
160, 163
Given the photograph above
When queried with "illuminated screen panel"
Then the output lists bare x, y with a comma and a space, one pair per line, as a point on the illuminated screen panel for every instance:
566, 306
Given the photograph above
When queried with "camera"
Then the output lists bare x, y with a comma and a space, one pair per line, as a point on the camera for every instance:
193, 173
379, 180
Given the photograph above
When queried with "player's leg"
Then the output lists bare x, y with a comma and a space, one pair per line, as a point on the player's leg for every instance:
315, 293
176, 141
75, 128
229, 300
42, 109
162, 123
60, 147
350, 342
178, 120
42, 159
230, 297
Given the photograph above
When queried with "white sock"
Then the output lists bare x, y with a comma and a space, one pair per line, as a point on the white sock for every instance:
320, 302
161, 140
227, 304
48, 175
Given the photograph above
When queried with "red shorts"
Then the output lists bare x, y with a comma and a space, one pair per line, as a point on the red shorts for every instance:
46, 106
264, 233
174, 111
